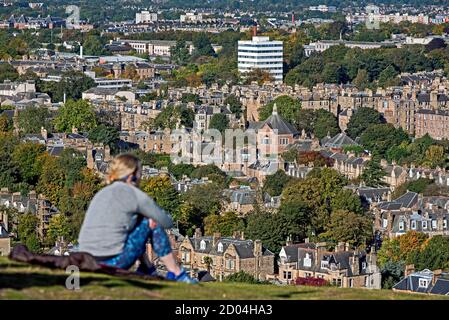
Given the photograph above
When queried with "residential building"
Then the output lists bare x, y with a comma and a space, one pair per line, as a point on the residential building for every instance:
146, 17
261, 53
5, 240
425, 281
229, 255
432, 122
342, 267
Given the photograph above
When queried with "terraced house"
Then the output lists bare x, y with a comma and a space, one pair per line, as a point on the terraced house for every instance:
342, 267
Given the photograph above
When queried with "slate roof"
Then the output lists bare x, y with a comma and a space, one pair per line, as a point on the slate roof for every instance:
408, 200
338, 141
276, 122
244, 248
411, 283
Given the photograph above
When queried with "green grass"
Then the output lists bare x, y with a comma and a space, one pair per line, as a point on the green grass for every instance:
20, 281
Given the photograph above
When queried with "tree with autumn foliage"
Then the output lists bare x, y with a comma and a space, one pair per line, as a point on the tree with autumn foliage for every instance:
162, 191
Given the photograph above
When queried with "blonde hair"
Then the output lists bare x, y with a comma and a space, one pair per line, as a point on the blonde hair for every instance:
123, 166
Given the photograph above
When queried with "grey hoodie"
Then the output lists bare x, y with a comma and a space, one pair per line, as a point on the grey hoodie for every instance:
112, 214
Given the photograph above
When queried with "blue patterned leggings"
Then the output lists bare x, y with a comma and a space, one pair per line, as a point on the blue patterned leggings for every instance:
135, 245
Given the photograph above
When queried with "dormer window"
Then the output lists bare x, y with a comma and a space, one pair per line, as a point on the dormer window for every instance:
424, 224
384, 223
203, 245
324, 264
434, 224
220, 247
423, 283
445, 224
307, 261
413, 224
401, 225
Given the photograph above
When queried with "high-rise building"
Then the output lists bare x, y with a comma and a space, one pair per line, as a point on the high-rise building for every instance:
261, 53
145, 17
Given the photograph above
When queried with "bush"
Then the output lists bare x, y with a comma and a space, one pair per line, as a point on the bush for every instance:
242, 277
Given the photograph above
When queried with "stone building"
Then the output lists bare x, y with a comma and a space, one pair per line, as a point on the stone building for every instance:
5, 240
411, 213
229, 255
342, 267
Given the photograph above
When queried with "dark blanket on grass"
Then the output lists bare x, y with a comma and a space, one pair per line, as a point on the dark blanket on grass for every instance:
84, 261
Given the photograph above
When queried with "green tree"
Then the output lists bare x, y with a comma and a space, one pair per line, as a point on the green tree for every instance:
58, 227
361, 81
287, 107
379, 138
274, 184
27, 231
326, 123
75, 114
235, 106
106, 135
373, 174
346, 200
294, 219
361, 120
388, 77
202, 45
32, 119
25, 157
179, 53
8, 72
433, 255
241, 277
162, 191
350, 227
225, 224
220, 122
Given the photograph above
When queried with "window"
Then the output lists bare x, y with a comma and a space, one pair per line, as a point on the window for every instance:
434, 224
424, 224
266, 140
220, 247
384, 223
401, 225
445, 224
366, 281
423, 283
351, 283
413, 224
363, 265
203, 245
307, 261
324, 264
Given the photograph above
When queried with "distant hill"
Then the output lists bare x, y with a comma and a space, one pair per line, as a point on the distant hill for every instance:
20, 281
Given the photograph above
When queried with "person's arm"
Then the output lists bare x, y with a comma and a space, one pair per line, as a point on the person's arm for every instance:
147, 207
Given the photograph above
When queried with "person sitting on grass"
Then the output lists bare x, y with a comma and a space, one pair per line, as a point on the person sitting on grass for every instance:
121, 219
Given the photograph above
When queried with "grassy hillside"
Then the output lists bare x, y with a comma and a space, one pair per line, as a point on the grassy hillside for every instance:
19, 281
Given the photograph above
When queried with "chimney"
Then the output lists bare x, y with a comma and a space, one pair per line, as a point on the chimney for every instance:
74, 130
255, 30
216, 237
320, 249
257, 248
242, 235
436, 275
198, 233
44, 133
236, 234
341, 246
409, 269
107, 153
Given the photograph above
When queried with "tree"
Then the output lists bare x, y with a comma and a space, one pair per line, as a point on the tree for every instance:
433, 254
162, 191
346, 200
208, 261
75, 114
274, 184
179, 53
220, 122
32, 119
6, 125
8, 72
225, 224
58, 227
52, 180
287, 107
106, 135
294, 219
361, 81
361, 120
379, 138
435, 156
263, 226
27, 231
373, 174
350, 227
388, 77
258, 75
202, 45
182, 169
25, 157
73, 84
326, 124
235, 106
